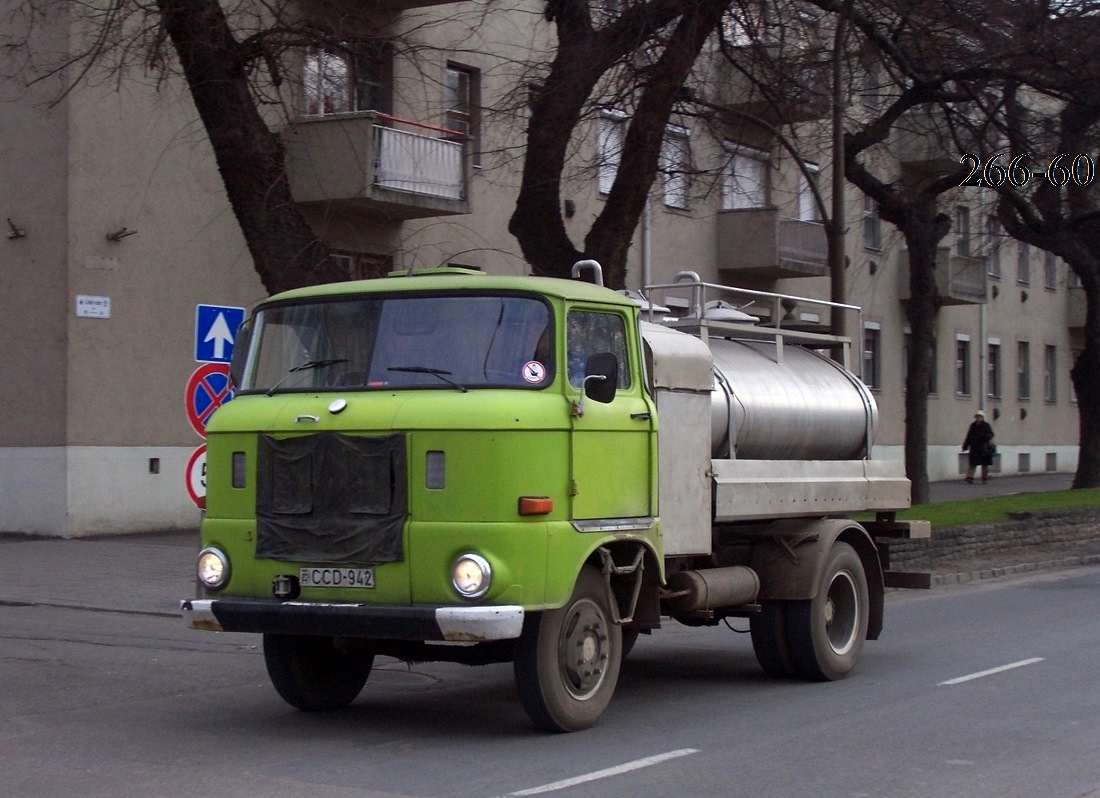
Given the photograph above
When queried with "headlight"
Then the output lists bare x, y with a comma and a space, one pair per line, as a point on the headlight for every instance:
471, 576
212, 568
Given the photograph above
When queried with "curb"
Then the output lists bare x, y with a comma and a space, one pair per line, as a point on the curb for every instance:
964, 577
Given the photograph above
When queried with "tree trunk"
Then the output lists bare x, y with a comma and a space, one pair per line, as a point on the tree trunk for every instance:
1086, 382
923, 229
611, 234
249, 155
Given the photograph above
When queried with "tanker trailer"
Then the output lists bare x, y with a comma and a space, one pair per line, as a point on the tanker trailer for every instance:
764, 445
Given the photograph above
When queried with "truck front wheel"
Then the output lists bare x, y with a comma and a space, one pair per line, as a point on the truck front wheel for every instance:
315, 673
826, 633
567, 660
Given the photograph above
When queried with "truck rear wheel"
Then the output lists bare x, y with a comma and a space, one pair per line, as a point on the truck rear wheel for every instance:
567, 660
826, 633
315, 673
768, 629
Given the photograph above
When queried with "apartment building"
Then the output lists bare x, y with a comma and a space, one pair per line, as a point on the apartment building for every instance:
118, 229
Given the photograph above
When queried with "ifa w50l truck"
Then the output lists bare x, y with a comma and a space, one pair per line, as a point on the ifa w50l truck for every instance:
452, 466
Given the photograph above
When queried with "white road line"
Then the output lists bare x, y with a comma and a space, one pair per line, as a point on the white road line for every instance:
991, 671
626, 767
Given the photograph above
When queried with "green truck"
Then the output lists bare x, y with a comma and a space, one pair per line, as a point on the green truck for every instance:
453, 466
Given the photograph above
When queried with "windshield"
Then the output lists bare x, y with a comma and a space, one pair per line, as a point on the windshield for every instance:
410, 341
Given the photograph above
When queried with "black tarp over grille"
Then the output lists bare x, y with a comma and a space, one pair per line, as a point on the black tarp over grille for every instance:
331, 498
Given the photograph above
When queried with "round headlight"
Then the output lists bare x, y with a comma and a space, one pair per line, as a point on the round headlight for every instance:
471, 576
212, 568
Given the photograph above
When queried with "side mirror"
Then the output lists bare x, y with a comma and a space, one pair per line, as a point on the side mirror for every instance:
241, 342
601, 377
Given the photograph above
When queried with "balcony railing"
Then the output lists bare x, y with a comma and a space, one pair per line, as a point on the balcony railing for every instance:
410, 158
760, 242
960, 279
377, 162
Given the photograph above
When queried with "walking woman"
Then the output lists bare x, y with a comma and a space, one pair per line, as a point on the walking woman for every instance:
979, 442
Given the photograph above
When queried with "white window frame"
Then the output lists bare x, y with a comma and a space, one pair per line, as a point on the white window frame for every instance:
994, 370
872, 355
962, 365
609, 147
745, 182
807, 203
676, 164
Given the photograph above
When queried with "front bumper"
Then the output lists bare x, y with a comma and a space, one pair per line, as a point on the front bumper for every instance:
452, 624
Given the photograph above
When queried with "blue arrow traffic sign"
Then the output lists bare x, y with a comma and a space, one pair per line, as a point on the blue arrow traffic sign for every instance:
215, 329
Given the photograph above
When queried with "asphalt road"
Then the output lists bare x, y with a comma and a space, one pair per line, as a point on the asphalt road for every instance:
977, 690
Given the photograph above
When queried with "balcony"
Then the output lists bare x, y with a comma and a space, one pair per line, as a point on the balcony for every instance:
918, 143
802, 96
1076, 308
377, 163
960, 279
760, 243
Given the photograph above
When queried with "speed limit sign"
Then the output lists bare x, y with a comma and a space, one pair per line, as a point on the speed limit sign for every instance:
196, 477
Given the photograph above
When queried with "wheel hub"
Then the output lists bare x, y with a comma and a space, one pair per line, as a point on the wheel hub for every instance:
584, 649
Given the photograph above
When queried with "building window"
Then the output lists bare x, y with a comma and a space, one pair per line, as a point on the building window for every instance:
610, 146
962, 365
461, 89
872, 355
872, 224
807, 202
1050, 373
1023, 263
993, 238
746, 182
993, 370
1023, 370
1050, 271
345, 80
871, 89
676, 165
962, 231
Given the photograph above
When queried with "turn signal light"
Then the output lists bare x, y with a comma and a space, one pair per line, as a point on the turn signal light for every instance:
535, 505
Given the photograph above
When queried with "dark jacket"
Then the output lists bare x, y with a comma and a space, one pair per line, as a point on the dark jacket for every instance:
979, 442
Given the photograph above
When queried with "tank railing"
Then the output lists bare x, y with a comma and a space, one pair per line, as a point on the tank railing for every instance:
697, 315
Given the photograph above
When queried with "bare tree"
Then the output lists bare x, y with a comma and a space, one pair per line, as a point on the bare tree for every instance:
654, 44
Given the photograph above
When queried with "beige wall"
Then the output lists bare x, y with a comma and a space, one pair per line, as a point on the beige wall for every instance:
91, 403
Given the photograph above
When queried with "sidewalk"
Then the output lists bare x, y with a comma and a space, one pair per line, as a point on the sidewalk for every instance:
958, 490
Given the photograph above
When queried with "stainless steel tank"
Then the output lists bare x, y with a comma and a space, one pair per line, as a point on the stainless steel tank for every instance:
797, 405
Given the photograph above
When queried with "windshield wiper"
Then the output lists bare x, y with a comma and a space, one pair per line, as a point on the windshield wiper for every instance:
434, 372
309, 364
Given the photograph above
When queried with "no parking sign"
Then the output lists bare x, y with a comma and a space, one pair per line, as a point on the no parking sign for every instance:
208, 389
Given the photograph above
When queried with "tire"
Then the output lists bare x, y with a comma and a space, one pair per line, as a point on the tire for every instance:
768, 629
567, 660
315, 673
826, 633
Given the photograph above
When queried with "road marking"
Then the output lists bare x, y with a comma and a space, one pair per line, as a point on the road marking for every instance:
991, 671
626, 767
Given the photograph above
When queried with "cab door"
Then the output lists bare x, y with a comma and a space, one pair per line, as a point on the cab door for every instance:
613, 442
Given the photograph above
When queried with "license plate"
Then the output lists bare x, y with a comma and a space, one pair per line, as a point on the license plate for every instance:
336, 577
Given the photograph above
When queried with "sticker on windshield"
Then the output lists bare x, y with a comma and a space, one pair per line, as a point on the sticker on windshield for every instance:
534, 372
